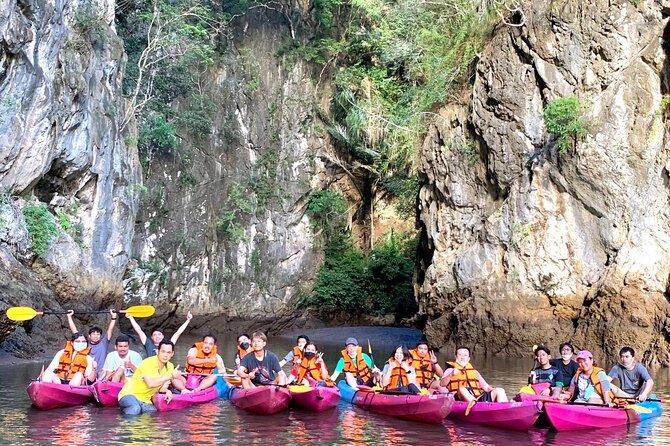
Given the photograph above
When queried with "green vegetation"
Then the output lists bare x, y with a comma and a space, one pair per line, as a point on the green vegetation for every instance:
89, 20
41, 226
564, 117
238, 205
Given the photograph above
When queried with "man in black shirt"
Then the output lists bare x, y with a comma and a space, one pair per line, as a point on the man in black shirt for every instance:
260, 367
567, 366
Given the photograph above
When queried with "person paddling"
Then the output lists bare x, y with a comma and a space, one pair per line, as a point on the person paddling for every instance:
157, 335
202, 360
357, 366
71, 365
261, 367
154, 374
99, 344
634, 378
546, 373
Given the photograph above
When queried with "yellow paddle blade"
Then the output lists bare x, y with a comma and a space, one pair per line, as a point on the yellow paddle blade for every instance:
140, 311
300, 389
21, 313
527, 389
233, 381
639, 409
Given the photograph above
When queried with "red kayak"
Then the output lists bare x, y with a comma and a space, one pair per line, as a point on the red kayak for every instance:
263, 400
47, 396
316, 399
106, 393
570, 417
422, 408
518, 416
184, 400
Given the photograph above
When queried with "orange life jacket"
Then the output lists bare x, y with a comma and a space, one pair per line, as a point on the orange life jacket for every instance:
310, 369
241, 353
466, 378
424, 368
597, 384
399, 376
206, 368
360, 368
297, 355
71, 362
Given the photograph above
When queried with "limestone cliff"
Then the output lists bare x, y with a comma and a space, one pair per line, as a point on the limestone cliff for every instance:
526, 243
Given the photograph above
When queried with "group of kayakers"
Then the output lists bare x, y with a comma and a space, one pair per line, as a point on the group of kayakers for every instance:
411, 371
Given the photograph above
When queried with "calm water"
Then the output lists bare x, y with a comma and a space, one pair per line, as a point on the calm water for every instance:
220, 422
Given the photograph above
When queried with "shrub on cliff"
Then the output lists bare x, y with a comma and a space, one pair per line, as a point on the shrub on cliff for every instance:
564, 117
41, 226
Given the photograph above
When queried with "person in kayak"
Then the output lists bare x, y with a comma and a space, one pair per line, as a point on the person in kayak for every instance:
120, 364
426, 366
157, 335
467, 384
155, 374
357, 366
261, 367
72, 365
294, 357
546, 373
634, 378
202, 360
590, 383
243, 347
398, 373
99, 344
312, 370
567, 366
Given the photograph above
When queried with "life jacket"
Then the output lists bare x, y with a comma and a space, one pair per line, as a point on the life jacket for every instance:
310, 369
202, 369
399, 376
241, 353
297, 355
71, 362
360, 369
466, 378
423, 366
597, 384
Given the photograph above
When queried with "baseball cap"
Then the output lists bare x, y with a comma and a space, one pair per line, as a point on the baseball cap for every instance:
351, 341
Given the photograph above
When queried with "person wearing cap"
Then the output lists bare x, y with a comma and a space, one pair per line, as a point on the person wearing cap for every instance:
566, 365
634, 378
359, 370
465, 383
71, 365
99, 344
546, 373
157, 335
590, 383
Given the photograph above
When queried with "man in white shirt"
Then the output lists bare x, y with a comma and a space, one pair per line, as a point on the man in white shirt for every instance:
121, 363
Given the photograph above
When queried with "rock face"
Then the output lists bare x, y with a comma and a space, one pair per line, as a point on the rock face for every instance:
61, 65
527, 244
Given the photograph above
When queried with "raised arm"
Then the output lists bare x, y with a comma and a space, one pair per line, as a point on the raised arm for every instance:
70, 321
137, 328
181, 329
112, 322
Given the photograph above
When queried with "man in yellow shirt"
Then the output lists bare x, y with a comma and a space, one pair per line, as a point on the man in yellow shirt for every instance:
154, 374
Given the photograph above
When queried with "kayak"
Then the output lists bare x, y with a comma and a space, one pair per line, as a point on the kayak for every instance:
422, 408
183, 400
263, 400
106, 393
518, 416
48, 396
347, 392
316, 399
568, 417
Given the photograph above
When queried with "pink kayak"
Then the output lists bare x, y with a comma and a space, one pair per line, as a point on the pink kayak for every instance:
263, 400
423, 408
569, 417
316, 399
182, 401
518, 416
106, 393
47, 396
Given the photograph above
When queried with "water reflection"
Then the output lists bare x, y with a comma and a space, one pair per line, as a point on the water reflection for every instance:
220, 422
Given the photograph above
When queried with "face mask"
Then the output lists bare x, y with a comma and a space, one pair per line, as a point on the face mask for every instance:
566, 357
244, 345
79, 346
628, 367
310, 355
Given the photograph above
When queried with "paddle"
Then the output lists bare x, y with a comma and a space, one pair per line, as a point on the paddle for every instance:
370, 353
653, 400
27, 313
300, 388
638, 409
